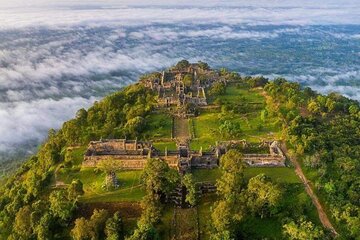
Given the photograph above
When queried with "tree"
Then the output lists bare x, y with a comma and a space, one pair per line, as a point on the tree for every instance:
22, 225
188, 80
203, 65
262, 195
230, 129
134, 126
221, 216
302, 230
230, 209
230, 184
114, 228
158, 177
188, 182
314, 107
259, 81
82, 230
150, 215
182, 64
90, 229
217, 89
144, 231
60, 205
42, 230
97, 222
75, 189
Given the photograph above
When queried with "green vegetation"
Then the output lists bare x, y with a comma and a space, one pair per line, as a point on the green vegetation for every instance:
243, 115
64, 199
158, 126
206, 175
323, 132
129, 190
279, 174
170, 145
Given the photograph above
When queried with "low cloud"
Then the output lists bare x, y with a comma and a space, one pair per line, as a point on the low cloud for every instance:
56, 57
25, 121
115, 14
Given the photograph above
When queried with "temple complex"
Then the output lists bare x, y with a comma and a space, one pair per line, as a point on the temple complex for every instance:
133, 154
177, 87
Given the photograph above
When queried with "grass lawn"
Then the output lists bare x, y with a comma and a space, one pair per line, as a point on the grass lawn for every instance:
234, 93
77, 154
281, 174
130, 187
162, 145
278, 174
206, 175
158, 125
206, 127
253, 128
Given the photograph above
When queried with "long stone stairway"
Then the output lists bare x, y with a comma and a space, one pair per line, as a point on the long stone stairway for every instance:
181, 129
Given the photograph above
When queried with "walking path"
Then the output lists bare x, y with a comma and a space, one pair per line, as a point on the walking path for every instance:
181, 128
322, 214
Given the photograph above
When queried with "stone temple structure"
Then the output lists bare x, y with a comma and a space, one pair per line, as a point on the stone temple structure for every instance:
174, 90
133, 154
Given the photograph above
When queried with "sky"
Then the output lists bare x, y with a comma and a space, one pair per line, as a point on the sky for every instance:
59, 56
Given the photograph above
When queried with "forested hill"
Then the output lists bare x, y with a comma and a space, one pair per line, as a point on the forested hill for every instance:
322, 132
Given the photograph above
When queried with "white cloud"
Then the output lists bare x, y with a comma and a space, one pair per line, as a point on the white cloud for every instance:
24, 121
245, 12
56, 57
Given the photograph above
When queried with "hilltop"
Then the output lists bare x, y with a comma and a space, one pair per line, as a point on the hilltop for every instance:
194, 153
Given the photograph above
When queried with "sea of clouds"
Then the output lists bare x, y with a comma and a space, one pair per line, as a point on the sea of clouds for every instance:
57, 57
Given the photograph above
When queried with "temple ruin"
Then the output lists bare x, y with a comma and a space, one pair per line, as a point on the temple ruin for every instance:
133, 154
173, 90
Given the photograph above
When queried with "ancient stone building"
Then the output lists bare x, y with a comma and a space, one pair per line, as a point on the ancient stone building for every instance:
171, 88
133, 154
275, 157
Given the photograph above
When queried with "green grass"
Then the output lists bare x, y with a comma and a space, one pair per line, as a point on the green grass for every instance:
158, 125
206, 127
281, 174
234, 93
130, 187
77, 154
253, 128
206, 175
162, 145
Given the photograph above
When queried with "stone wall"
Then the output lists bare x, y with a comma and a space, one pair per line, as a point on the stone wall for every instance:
126, 162
205, 161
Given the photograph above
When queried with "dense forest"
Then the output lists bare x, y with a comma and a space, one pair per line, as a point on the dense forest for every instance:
322, 132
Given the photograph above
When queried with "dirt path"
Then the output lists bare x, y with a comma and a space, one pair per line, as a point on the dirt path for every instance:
307, 184
181, 128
